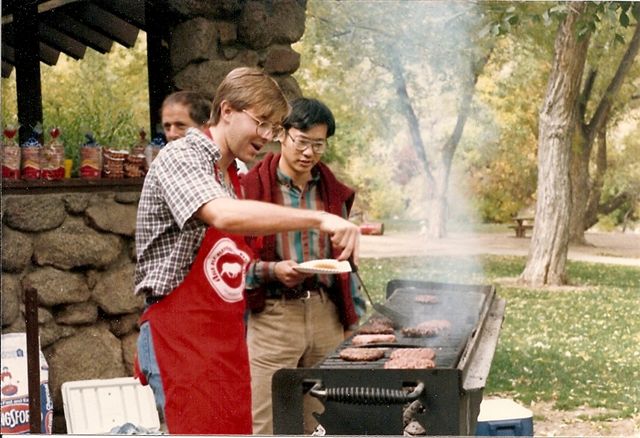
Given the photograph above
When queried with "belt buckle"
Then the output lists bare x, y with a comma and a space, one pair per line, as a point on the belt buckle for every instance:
306, 296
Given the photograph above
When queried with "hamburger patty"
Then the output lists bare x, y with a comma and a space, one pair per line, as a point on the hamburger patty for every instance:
372, 339
361, 354
427, 328
413, 363
417, 353
377, 326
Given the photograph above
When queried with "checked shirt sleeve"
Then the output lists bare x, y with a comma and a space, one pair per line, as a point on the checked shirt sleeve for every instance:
187, 182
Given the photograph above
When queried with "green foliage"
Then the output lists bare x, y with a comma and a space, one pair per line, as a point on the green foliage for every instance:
435, 53
572, 347
502, 166
104, 94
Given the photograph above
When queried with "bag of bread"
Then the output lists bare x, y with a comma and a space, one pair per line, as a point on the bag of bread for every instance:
10, 154
52, 158
31, 167
90, 158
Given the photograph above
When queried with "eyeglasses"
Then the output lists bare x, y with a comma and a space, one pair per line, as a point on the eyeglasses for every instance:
301, 144
266, 129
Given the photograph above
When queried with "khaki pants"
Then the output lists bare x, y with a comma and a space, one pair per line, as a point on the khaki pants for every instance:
289, 334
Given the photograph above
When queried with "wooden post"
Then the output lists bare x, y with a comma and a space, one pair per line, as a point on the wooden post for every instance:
33, 359
158, 64
28, 85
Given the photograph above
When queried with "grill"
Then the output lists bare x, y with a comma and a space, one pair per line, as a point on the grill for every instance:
364, 398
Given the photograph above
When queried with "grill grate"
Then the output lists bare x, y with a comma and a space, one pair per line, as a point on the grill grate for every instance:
461, 306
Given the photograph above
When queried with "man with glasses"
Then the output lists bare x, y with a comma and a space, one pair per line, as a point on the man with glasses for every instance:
187, 109
192, 259
297, 318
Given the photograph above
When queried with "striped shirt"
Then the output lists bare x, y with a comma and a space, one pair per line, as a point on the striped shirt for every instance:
180, 180
299, 246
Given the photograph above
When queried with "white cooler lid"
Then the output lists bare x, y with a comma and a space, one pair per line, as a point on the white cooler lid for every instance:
502, 409
97, 406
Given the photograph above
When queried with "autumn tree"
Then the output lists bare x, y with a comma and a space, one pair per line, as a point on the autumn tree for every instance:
549, 242
591, 129
546, 263
421, 61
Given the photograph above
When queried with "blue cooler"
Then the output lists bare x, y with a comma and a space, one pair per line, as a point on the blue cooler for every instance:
504, 417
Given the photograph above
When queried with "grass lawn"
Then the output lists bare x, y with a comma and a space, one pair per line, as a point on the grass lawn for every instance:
574, 347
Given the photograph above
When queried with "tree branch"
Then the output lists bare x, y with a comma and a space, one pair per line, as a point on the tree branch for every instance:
599, 116
407, 110
584, 98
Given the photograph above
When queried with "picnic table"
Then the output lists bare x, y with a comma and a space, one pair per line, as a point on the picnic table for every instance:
521, 225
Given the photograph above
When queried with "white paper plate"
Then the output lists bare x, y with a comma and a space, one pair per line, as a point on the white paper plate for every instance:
324, 266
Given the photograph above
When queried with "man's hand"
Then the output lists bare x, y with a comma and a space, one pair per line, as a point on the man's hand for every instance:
287, 275
345, 235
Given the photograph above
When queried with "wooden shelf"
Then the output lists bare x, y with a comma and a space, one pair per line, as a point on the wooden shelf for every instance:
41, 186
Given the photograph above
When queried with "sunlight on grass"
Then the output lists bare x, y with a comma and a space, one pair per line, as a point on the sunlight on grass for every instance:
575, 348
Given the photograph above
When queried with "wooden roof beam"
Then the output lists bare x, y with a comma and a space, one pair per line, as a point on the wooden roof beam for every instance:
8, 53
61, 41
132, 12
6, 69
78, 31
106, 23
48, 54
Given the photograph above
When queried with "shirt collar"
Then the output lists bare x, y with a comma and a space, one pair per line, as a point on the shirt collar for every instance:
203, 140
287, 181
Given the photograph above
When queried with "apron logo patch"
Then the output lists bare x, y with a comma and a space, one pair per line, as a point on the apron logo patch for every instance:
224, 267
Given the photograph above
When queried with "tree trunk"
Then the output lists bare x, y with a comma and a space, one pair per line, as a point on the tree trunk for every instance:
437, 205
546, 263
581, 151
436, 170
591, 215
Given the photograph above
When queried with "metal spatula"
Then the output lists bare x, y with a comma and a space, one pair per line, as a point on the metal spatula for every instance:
398, 318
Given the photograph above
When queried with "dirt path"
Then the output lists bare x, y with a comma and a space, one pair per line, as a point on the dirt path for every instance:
613, 248
550, 422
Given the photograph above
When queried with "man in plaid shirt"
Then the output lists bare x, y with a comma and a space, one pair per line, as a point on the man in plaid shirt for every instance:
192, 259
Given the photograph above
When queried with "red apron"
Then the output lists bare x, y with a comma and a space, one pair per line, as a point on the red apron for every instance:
198, 335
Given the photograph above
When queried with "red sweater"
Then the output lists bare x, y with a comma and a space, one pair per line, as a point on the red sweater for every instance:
261, 184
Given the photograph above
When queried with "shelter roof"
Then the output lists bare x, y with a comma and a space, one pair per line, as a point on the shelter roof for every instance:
70, 26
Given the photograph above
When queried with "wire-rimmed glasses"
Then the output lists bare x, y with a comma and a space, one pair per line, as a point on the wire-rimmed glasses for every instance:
266, 129
301, 144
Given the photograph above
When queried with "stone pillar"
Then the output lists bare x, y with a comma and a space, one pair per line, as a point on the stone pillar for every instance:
216, 37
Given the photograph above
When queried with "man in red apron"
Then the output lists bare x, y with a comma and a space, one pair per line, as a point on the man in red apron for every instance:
191, 261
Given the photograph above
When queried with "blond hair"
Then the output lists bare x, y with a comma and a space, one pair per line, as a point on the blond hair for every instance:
249, 87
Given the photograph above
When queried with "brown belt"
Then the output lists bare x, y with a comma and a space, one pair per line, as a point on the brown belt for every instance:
293, 294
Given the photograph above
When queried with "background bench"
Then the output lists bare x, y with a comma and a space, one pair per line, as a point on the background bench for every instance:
521, 225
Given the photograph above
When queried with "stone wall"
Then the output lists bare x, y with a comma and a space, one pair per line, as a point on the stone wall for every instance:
217, 36
78, 251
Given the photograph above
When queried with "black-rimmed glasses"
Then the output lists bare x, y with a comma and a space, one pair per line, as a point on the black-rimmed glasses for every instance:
301, 144
266, 129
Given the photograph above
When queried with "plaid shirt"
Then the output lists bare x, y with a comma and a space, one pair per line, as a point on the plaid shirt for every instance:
180, 180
